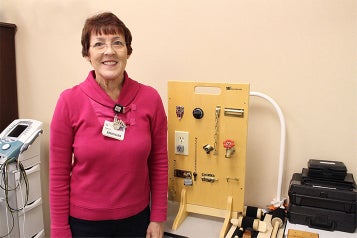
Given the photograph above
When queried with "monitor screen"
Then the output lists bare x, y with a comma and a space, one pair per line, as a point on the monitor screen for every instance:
17, 130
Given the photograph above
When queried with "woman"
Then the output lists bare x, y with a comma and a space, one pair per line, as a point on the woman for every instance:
108, 145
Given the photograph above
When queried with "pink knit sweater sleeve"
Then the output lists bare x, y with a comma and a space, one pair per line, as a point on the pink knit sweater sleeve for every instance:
158, 163
61, 140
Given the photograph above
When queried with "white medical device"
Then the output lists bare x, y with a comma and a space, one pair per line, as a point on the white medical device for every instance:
17, 138
20, 183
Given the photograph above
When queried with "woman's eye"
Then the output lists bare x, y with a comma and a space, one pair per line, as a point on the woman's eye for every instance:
98, 44
118, 43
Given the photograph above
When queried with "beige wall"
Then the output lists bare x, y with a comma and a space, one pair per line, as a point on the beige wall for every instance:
302, 53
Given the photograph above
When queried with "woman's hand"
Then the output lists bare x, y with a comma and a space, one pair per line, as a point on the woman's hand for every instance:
155, 230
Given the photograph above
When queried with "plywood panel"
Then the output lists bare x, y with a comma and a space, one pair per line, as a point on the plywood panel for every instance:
212, 129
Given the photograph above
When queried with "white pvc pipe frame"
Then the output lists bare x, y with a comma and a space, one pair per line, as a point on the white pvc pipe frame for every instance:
277, 202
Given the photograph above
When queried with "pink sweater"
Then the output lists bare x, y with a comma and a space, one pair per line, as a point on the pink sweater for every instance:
109, 178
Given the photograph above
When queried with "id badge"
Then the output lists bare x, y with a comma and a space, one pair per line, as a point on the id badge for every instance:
109, 131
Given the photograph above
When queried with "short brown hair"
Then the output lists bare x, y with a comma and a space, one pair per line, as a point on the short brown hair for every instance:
104, 23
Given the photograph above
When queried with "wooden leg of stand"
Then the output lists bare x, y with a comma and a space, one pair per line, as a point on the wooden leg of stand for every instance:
182, 213
227, 218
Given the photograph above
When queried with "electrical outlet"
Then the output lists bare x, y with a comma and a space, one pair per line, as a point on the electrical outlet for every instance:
181, 142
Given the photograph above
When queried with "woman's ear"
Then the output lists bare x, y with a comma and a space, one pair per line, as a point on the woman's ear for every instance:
87, 58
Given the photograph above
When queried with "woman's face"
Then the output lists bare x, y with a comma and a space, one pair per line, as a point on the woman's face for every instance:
108, 55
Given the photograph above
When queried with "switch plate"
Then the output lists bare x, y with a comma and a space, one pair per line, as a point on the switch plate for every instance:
181, 142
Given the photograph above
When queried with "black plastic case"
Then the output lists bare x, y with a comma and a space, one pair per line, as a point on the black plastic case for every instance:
320, 218
347, 183
327, 169
321, 197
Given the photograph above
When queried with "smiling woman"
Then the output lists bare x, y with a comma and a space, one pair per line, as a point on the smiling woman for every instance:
106, 44
108, 56
115, 113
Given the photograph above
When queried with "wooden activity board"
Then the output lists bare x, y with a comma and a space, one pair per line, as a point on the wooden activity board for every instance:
207, 138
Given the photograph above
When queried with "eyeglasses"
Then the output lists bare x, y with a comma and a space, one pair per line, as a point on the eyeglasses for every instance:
101, 46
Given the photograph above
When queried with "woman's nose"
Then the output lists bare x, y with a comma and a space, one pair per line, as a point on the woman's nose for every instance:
109, 49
